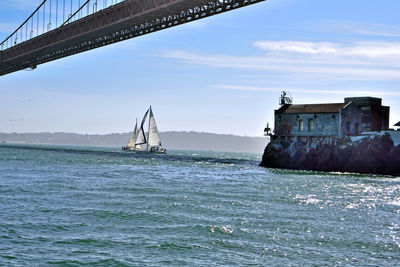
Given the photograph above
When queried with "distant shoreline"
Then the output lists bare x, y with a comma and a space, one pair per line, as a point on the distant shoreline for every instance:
170, 139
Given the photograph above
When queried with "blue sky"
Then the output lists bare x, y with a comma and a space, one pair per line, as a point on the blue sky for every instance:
221, 74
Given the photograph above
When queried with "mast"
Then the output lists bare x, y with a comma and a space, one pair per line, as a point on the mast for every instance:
141, 137
148, 132
135, 135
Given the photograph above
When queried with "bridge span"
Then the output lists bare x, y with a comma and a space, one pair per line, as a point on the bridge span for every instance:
33, 43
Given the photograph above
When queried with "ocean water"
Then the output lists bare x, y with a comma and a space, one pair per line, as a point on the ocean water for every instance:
79, 206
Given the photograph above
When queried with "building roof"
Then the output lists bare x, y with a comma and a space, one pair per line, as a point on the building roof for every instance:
397, 124
311, 108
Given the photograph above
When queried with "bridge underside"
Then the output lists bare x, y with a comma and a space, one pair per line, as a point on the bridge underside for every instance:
125, 20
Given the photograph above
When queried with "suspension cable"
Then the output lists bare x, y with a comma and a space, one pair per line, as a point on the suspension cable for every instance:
42, 8
76, 12
24, 22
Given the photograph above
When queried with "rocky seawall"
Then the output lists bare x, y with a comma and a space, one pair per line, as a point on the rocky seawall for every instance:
377, 153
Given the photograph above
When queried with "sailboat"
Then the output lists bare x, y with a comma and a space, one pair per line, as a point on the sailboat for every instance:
150, 143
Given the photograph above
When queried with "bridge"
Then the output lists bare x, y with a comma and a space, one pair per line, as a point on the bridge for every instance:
60, 28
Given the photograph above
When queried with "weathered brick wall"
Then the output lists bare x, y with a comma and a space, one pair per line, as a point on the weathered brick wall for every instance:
351, 116
324, 124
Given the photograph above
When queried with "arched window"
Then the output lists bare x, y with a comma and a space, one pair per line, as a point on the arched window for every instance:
301, 125
310, 125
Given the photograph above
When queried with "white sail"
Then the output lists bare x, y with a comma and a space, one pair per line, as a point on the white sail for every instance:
141, 137
132, 140
138, 147
153, 139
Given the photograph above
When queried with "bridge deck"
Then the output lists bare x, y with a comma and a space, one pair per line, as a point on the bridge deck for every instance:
125, 20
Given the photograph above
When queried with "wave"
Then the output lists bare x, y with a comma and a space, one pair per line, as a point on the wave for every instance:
189, 158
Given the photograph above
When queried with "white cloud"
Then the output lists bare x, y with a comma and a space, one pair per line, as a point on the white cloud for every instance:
297, 47
360, 49
361, 61
312, 91
358, 28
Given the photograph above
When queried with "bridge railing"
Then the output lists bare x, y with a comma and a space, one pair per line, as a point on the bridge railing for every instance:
52, 14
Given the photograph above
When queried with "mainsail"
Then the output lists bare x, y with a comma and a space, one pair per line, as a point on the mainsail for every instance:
153, 135
141, 137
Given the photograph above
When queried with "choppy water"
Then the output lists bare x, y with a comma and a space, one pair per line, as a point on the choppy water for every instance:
69, 206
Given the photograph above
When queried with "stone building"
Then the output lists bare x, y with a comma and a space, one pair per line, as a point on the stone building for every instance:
351, 118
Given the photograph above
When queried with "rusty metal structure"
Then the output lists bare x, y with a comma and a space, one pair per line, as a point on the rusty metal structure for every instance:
87, 27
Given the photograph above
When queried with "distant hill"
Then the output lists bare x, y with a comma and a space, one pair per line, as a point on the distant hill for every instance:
171, 140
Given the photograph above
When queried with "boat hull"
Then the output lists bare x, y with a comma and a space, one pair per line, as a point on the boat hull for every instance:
127, 148
150, 151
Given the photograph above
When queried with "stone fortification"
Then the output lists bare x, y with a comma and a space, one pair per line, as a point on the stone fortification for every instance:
375, 153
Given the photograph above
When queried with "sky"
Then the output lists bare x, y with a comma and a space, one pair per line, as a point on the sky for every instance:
221, 74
